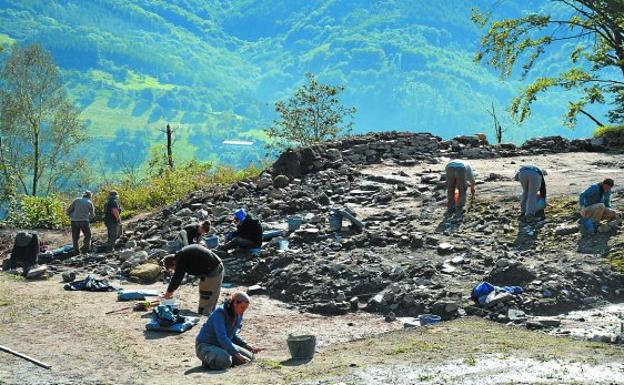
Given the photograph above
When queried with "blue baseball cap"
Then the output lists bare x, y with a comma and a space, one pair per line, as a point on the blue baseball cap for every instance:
240, 214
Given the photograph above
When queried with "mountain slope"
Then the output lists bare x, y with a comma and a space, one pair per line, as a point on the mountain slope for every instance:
214, 69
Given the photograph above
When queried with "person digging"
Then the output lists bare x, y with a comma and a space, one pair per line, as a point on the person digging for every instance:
595, 205
459, 175
218, 344
248, 234
200, 261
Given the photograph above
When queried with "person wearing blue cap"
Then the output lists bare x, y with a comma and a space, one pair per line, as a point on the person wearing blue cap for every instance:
248, 234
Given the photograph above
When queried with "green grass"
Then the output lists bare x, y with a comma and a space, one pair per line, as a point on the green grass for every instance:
6, 40
269, 364
470, 360
133, 82
616, 260
562, 207
415, 346
105, 120
12, 277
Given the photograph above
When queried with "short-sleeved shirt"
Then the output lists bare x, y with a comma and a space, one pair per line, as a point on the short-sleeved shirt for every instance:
111, 203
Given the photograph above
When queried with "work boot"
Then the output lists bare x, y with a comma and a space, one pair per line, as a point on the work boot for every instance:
540, 214
604, 228
529, 219
587, 227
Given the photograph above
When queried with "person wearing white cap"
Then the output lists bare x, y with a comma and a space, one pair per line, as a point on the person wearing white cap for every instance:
81, 211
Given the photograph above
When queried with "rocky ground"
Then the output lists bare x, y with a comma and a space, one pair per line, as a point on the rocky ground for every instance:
408, 259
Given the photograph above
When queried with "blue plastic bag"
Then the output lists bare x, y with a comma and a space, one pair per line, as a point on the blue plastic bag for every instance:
483, 288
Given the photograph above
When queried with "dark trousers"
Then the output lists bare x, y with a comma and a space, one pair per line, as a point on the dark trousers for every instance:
239, 242
114, 232
77, 227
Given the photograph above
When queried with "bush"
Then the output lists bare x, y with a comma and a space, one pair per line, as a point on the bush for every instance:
603, 130
32, 212
168, 186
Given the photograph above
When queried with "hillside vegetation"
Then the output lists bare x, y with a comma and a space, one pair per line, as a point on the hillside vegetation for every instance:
215, 69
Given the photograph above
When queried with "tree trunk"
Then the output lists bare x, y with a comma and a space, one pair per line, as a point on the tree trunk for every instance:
169, 147
591, 117
4, 164
36, 170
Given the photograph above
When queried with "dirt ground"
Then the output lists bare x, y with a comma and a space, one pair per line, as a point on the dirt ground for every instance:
71, 332
567, 173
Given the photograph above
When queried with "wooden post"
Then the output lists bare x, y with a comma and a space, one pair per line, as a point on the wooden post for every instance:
169, 147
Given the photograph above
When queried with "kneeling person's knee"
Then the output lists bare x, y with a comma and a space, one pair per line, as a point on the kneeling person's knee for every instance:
221, 361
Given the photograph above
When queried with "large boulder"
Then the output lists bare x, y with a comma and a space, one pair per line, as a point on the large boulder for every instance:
281, 181
134, 260
510, 274
147, 272
288, 163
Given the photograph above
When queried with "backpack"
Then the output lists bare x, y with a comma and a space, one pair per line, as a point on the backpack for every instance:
25, 251
166, 316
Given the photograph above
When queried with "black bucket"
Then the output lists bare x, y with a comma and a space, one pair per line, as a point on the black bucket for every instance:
301, 347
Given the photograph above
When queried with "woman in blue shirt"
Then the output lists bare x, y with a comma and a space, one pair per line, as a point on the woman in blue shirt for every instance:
218, 344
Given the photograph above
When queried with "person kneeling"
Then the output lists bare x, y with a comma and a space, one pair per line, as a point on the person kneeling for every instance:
218, 344
248, 234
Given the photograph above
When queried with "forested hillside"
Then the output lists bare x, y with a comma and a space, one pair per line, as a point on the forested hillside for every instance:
214, 69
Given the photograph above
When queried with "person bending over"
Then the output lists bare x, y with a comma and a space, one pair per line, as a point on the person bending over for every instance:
200, 261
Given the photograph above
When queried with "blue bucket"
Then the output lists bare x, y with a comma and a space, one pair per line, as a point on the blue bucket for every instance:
294, 223
212, 242
335, 222
429, 319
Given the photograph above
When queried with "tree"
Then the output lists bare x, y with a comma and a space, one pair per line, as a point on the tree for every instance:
498, 129
596, 66
168, 131
313, 114
41, 129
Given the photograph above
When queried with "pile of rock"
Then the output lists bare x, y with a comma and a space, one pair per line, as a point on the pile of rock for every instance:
391, 264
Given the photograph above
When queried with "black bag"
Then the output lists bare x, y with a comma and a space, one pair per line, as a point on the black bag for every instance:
25, 251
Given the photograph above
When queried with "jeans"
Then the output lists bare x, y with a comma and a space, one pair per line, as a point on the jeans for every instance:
216, 358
